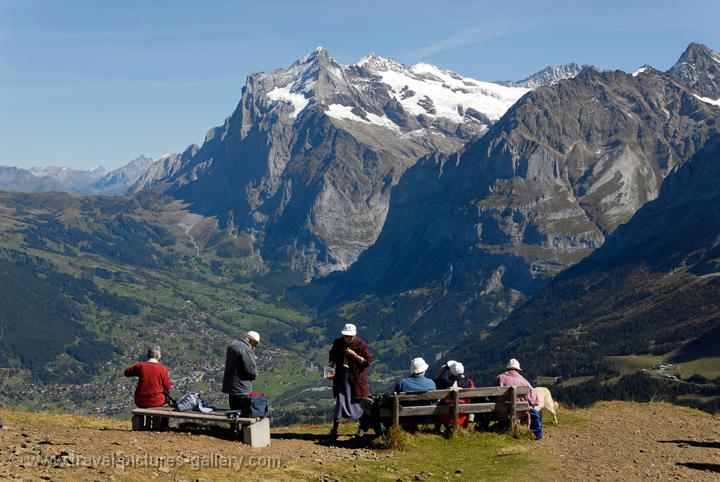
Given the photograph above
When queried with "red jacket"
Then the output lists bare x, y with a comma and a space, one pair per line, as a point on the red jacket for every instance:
154, 381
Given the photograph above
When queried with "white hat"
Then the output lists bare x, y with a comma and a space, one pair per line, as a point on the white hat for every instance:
513, 364
349, 330
418, 365
254, 336
456, 368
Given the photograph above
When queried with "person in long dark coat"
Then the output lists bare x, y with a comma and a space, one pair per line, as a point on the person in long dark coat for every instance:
351, 358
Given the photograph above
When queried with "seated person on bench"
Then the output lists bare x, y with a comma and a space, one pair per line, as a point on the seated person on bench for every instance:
153, 380
417, 382
512, 377
452, 375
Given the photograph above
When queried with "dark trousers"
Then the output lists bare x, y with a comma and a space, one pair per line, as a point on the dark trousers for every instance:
236, 401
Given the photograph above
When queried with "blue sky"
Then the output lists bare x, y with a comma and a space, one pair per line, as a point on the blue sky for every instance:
85, 82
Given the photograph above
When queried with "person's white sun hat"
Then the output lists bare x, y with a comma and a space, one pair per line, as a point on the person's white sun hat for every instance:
418, 365
513, 364
254, 336
456, 368
349, 330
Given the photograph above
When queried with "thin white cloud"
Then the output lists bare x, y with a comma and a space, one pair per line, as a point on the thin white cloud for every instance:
473, 36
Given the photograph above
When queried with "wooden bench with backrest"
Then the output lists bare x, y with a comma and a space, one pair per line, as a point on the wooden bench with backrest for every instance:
255, 431
414, 413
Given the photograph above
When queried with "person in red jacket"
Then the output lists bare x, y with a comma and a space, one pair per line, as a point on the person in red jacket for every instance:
154, 380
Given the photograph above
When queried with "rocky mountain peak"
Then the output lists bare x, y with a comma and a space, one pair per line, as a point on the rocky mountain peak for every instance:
646, 69
548, 76
699, 69
696, 53
320, 55
375, 62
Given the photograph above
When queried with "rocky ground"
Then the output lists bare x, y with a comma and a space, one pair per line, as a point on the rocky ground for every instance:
114, 452
622, 441
614, 441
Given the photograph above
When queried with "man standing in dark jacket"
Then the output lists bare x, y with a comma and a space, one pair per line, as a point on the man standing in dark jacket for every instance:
240, 368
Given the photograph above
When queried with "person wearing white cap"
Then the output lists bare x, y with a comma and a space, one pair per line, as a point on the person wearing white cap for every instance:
417, 381
452, 375
351, 357
240, 368
512, 377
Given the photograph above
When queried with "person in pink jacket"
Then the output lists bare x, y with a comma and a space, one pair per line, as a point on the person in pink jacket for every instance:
512, 377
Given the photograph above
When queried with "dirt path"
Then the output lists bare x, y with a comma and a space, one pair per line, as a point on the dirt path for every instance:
616, 444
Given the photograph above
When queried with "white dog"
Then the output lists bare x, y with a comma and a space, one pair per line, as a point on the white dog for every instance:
546, 402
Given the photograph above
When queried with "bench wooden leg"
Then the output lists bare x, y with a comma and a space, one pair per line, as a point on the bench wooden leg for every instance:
396, 412
150, 422
138, 422
257, 434
513, 410
156, 423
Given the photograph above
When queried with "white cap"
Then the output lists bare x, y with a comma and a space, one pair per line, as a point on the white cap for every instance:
254, 336
418, 365
349, 330
456, 368
513, 364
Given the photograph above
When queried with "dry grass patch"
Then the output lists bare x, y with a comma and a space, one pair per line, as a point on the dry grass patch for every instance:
61, 420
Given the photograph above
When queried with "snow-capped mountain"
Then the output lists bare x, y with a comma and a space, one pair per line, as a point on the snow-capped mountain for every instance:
305, 164
370, 90
548, 76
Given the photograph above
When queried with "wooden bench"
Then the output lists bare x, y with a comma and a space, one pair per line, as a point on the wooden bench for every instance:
255, 431
426, 412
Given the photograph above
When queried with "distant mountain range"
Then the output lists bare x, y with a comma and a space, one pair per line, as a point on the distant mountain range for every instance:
76, 181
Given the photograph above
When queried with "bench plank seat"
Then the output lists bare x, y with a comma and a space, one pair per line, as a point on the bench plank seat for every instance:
455, 408
215, 416
448, 409
462, 393
255, 431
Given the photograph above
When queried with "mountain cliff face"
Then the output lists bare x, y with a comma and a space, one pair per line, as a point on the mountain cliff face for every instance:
541, 190
651, 288
305, 164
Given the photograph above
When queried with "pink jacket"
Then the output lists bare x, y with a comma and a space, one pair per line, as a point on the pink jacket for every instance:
512, 378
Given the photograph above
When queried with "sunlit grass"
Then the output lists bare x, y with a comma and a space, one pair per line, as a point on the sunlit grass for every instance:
60, 420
